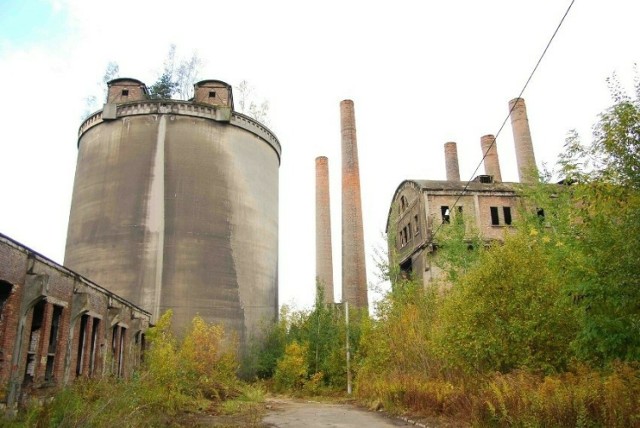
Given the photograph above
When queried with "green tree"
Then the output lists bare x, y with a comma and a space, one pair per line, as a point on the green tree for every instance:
509, 311
597, 221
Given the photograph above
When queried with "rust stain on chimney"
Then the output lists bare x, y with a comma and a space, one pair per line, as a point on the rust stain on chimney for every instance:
490, 153
525, 157
451, 161
354, 278
324, 261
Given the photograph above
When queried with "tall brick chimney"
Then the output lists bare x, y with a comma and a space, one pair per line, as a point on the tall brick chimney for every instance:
491, 162
324, 262
354, 277
525, 157
451, 161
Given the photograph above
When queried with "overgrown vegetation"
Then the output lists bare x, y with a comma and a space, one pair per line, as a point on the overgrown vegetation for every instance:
305, 352
542, 329
178, 378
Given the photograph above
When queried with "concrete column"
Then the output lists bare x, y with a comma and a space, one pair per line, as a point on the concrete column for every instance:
525, 157
354, 277
490, 153
324, 261
451, 161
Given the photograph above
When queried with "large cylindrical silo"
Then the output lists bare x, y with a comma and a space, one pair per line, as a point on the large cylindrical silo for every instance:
175, 206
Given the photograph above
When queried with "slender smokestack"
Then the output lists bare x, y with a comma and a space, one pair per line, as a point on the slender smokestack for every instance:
525, 157
354, 277
451, 161
491, 163
324, 263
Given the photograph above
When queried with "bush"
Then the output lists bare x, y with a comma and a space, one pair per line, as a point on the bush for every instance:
291, 370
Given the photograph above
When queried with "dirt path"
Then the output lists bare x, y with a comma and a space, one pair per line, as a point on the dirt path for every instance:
283, 413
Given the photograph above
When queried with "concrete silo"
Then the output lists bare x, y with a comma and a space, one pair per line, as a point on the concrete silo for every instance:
175, 206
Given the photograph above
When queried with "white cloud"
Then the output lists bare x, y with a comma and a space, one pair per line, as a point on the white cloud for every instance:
420, 74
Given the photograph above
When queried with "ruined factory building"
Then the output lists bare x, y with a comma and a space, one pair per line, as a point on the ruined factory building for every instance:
488, 205
175, 206
56, 326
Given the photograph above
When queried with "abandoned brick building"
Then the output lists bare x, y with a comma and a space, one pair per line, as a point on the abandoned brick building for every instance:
175, 206
488, 205
56, 325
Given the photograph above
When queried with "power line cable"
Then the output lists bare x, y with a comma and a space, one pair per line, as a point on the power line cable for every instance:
504, 122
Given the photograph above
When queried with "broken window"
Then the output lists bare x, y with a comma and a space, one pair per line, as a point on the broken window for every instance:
507, 215
125, 92
417, 224
403, 203
121, 352
446, 215
34, 340
5, 293
53, 342
212, 94
95, 328
81, 342
406, 269
495, 219
117, 349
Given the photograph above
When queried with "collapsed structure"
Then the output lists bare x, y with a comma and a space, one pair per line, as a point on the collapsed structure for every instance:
488, 205
175, 206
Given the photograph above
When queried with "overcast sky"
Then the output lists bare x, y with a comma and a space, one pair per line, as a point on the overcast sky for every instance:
420, 73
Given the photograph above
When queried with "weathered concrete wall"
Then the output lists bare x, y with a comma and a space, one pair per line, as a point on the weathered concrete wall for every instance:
324, 259
175, 206
354, 275
56, 325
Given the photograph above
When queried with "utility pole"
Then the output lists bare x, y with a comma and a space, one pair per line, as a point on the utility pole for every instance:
346, 316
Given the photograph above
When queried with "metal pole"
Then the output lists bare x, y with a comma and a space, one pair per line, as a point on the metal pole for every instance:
346, 310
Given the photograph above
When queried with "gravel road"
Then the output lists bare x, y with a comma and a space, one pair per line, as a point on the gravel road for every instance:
310, 414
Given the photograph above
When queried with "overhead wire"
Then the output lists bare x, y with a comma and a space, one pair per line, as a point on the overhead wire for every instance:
504, 122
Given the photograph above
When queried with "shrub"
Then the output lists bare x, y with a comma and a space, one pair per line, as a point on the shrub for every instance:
291, 370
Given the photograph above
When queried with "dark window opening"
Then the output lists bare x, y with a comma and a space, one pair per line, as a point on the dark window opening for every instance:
117, 349
417, 224
34, 339
95, 328
495, 219
5, 293
81, 342
53, 342
212, 94
125, 92
507, 215
121, 352
406, 269
403, 203
410, 231
446, 214
486, 179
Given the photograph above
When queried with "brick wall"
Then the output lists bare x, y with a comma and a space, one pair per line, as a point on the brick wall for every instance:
41, 320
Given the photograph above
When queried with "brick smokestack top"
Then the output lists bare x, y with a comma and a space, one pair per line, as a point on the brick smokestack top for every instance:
491, 162
451, 161
324, 262
354, 277
525, 157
